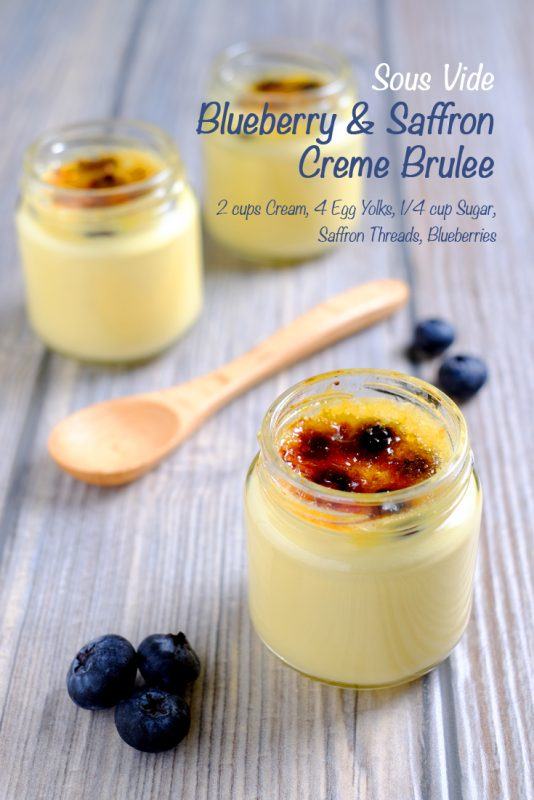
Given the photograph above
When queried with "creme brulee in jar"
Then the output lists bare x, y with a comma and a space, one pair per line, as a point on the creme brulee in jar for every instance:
110, 241
363, 515
263, 170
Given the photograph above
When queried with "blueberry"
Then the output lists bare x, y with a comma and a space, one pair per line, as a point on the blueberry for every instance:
102, 673
168, 661
432, 337
375, 438
314, 445
462, 376
338, 479
152, 720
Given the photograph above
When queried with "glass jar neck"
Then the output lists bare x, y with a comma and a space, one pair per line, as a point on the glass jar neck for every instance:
397, 512
95, 208
285, 74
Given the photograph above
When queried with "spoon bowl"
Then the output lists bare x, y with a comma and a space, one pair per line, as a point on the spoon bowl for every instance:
114, 442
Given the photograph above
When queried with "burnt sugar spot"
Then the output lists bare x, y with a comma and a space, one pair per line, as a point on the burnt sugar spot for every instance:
105, 171
287, 84
95, 164
105, 181
336, 479
357, 456
102, 172
416, 467
314, 446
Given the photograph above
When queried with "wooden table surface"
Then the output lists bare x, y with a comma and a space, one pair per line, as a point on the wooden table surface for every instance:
168, 552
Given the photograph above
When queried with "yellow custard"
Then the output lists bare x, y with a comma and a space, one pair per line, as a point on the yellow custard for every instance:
110, 242
350, 582
262, 171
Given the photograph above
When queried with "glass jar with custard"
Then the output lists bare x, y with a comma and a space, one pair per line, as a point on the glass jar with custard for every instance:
256, 201
363, 514
109, 236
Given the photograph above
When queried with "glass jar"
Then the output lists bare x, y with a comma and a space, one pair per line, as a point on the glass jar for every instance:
110, 241
362, 590
242, 171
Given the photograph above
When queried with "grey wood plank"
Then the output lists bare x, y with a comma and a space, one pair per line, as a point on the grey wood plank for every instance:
489, 290
39, 90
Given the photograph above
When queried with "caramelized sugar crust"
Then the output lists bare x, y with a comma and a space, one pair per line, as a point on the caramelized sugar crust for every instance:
365, 446
105, 171
287, 84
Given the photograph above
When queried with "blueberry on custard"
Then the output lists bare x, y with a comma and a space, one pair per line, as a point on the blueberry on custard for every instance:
355, 448
336, 479
375, 438
315, 445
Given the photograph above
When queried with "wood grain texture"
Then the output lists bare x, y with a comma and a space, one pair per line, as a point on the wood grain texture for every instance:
171, 415
490, 290
168, 552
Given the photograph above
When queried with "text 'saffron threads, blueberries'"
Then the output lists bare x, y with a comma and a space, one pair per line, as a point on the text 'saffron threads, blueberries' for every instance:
102, 673
168, 661
462, 376
152, 720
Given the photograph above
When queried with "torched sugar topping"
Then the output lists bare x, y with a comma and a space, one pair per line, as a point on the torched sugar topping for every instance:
287, 84
281, 90
106, 170
367, 445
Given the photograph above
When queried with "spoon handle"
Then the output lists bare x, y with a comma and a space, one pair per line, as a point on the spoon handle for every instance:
332, 320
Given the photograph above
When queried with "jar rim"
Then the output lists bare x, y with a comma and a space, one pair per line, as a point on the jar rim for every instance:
385, 381
57, 140
283, 48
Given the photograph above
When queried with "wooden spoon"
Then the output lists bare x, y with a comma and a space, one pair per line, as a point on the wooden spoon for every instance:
116, 441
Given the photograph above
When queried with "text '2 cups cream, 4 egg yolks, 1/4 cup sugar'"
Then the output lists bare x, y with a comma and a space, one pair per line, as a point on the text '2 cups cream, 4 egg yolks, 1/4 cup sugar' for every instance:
262, 169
